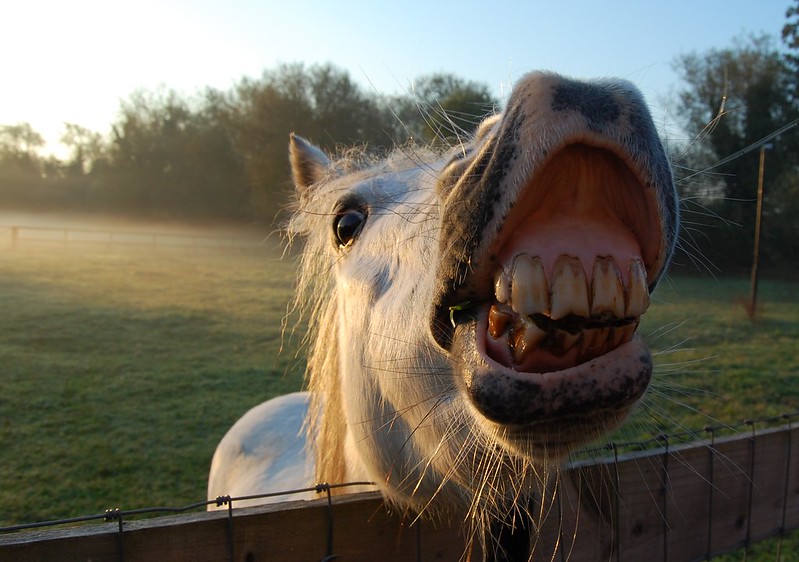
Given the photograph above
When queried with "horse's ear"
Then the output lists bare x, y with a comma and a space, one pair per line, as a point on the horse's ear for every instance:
308, 163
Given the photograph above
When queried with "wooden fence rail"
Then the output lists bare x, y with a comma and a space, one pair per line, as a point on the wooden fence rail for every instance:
676, 504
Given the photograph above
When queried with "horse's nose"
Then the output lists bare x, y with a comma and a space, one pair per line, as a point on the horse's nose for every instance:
486, 194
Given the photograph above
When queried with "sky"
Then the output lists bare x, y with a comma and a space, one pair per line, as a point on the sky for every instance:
74, 62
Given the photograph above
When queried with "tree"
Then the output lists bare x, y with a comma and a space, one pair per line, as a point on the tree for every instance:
174, 158
733, 98
86, 147
19, 146
444, 109
21, 167
790, 36
320, 103
260, 115
223, 154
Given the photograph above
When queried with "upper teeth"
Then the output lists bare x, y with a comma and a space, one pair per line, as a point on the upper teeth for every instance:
638, 293
530, 295
527, 300
569, 291
607, 289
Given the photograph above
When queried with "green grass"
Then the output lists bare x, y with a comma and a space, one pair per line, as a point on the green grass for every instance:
121, 371
715, 364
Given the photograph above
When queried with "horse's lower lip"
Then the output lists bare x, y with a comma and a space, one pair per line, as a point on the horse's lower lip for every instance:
611, 382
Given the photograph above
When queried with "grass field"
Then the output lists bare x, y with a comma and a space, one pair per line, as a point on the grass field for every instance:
121, 371
714, 364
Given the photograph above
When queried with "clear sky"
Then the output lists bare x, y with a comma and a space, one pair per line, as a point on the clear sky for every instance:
74, 61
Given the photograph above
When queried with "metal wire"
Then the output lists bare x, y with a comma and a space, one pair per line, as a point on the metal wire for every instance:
630, 446
119, 516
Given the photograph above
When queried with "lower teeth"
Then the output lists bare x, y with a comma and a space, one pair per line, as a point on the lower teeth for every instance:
524, 335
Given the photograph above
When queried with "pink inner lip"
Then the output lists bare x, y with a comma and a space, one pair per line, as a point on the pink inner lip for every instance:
583, 237
586, 203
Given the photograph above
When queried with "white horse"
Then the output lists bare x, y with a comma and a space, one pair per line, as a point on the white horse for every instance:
473, 313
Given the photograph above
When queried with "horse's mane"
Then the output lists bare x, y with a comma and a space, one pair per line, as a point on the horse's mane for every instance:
315, 296
315, 300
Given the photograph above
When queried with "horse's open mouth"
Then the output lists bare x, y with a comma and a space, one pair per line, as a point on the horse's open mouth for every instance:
571, 281
550, 335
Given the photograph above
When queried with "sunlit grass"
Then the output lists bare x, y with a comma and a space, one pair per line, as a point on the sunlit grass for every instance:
121, 371
715, 364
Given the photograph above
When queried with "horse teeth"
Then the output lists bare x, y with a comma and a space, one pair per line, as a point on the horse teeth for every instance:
569, 289
501, 286
638, 292
526, 337
622, 334
529, 291
594, 339
563, 341
607, 289
524, 293
498, 321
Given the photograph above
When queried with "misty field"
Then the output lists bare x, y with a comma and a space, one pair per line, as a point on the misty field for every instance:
121, 370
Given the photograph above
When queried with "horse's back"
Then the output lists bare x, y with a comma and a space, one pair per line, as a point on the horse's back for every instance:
265, 451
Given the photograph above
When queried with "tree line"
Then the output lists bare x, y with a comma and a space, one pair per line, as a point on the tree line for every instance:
222, 154
733, 99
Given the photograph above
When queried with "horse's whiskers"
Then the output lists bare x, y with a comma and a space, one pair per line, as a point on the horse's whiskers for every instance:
458, 395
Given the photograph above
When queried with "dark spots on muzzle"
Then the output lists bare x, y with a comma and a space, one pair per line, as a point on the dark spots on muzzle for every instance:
595, 103
491, 398
518, 401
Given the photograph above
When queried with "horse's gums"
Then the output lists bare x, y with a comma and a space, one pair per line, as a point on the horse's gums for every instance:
472, 313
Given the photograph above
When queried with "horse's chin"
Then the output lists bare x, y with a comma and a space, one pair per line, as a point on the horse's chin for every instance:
548, 414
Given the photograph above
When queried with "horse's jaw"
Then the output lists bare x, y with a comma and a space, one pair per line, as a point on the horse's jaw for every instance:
544, 416
572, 197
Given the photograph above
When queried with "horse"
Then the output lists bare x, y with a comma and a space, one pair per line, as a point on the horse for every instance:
472, 311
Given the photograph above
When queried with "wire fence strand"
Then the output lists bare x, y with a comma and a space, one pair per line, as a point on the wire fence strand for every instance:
609, 457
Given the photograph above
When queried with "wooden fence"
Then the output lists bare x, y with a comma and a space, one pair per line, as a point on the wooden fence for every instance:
677, 503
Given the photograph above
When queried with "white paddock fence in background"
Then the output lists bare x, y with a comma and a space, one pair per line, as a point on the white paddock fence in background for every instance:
26, 237
680, 502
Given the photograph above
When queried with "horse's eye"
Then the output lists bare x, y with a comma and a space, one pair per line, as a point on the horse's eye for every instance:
348, 225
